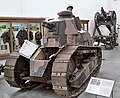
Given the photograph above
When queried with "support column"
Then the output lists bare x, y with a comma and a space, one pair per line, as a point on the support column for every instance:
11, 38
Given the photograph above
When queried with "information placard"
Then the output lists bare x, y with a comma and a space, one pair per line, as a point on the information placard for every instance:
101, 87
27, 49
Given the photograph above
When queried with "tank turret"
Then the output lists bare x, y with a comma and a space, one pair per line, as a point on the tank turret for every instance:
68, 29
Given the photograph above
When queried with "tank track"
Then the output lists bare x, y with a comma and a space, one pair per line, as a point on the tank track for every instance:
63, 69
15, 68
9, 68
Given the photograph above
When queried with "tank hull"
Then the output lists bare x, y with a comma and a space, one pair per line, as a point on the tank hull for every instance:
68, 71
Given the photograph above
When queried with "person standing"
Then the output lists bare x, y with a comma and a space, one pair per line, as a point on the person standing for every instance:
6, 38
30, 34
38, 37
22, 35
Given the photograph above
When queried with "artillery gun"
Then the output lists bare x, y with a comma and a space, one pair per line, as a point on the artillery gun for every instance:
109, 21
66, 61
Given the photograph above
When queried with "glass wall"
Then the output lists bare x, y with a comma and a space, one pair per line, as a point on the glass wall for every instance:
20, 33
36, 30
5, 38
14, 30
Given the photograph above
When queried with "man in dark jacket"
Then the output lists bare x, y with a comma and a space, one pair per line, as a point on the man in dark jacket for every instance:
30, 34
22, 35
6, 38
38, 37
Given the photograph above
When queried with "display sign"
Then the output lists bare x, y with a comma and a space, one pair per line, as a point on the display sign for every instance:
3, 47
102, 87
27, 49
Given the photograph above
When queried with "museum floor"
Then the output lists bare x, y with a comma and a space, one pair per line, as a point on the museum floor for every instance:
110, 70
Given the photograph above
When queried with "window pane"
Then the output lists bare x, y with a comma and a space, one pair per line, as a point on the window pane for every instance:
20, 33
35, 28
4, 38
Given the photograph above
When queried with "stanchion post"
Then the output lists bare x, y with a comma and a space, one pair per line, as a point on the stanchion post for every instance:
112, 94
95, 96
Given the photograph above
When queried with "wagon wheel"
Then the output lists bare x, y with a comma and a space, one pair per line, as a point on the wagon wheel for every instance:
112, 42
96, 18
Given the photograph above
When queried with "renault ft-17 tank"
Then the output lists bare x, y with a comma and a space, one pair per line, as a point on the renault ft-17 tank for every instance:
109, 21
66, 60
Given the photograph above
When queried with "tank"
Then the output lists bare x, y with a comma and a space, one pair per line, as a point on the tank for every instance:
66, 60
108, 20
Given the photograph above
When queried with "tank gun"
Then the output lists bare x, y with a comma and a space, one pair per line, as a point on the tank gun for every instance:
48, 25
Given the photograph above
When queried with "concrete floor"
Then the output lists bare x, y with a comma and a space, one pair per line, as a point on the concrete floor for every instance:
110, 70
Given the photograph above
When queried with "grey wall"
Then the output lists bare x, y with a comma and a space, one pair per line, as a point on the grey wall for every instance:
85, 9
49, 8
